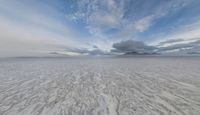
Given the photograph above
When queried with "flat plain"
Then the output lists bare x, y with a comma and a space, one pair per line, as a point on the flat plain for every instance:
100, 86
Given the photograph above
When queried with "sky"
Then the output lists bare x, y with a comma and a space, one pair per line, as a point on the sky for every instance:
98, 27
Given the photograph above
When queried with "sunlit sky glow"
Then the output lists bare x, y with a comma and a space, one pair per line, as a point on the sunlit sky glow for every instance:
82, 27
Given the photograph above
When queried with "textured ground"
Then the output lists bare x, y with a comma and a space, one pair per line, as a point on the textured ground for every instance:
108, 86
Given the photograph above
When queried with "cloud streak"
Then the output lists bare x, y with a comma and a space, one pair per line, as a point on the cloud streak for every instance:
180, 46
85, 51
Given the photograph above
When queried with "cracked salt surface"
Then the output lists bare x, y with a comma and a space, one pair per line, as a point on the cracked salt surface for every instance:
101, 86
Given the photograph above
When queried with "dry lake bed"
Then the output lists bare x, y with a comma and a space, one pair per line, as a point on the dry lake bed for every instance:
100, 86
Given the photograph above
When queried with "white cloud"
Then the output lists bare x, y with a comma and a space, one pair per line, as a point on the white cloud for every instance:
103, 15
144, 23
100, 15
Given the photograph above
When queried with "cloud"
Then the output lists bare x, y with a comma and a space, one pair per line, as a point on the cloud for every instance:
40, 27
94, 46
132, 46
170, 41
126, 16
191, 51
100, 15
145, 23
182, 33
86, 51
98, 52
139, 47
180, 46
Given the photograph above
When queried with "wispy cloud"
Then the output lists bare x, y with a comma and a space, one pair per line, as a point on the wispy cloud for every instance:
102, 16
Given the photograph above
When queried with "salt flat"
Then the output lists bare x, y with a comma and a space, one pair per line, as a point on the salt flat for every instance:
100, 86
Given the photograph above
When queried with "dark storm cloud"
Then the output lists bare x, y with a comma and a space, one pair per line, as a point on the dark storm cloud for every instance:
132, 46
139, 47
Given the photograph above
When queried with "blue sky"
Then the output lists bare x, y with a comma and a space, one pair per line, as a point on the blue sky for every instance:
73, 27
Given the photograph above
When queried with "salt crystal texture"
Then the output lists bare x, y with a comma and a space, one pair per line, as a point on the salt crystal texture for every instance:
100, 86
